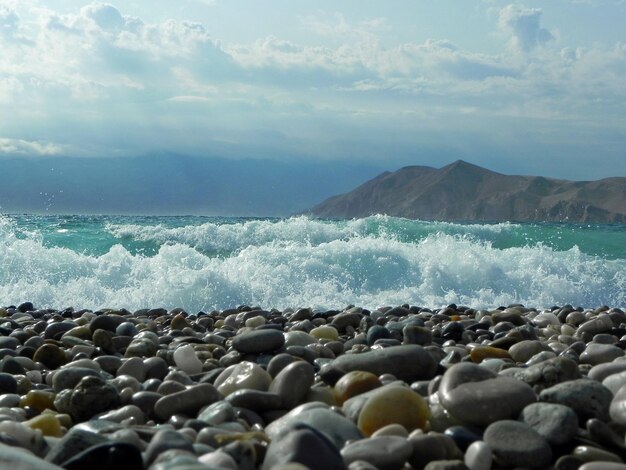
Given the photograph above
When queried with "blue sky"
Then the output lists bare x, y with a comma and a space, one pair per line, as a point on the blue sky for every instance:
525, 87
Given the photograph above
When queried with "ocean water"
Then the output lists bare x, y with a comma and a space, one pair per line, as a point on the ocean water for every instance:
203, 263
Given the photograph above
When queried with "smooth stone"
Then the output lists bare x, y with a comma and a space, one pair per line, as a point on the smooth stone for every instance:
602, 466
384, 452
602, 371
255, 400
141, 347
432, 447
133, 366
514, 443
186, 402
165, 440
558, 424
524, 350
75, 441
105, 322
8, 384
596, 353
617, 408
588, 398
118, 455
407, 362
393, 404
354, 383
604, 434
478, 456
243, 375
258, 341
392, 430
325, 332
218, 460
298, 338
615, 381
600, 324
475, 395
317, 415
19, 459
217, 413
145, 401
306, 446
480, 353
50, 356
130, 413
103, 339
446, 465
126, 328
186, 360
47, 423
293, 382
279, 362
463, 436
594, 454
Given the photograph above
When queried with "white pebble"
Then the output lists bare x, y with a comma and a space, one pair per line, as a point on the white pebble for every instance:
478, 456
186, 360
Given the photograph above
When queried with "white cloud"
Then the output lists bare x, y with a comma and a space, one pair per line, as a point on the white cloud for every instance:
524, 26
20, 147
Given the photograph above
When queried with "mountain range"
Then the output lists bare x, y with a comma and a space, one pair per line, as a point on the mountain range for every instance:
462, 191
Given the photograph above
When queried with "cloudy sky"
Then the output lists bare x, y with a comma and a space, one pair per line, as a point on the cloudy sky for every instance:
533, 87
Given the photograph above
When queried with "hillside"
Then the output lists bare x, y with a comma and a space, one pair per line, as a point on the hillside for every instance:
462, 191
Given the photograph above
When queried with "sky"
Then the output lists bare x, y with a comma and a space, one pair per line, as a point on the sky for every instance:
532, 87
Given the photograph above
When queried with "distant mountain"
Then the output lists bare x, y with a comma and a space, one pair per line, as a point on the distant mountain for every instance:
171, 184
462, 191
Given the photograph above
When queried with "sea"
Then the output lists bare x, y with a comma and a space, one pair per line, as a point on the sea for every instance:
214, 263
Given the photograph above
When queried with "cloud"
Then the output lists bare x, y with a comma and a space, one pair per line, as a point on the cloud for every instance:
524, 26
19, 147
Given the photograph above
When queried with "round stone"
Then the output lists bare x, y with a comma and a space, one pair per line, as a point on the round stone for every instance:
354, 383
90, 397
186, 360
325, 332
393, 404
596, 353
478, 456
516, 444
50, 355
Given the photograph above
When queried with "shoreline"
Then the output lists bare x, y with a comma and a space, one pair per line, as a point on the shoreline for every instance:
253, 388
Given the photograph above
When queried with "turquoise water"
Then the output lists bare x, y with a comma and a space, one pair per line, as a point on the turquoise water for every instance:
202, 263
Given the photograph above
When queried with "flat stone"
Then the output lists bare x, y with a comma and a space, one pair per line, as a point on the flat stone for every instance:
524, 350
258, 341
384, 452
255, 400
558, 424
516, 444
476, 396
407, 362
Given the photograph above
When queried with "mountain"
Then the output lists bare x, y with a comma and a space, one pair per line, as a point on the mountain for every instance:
170, 185
463, 191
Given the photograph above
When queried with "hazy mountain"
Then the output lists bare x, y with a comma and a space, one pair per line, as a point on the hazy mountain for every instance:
171, 185
462, 191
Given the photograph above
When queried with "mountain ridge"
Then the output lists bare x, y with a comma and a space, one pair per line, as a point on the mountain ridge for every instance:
464, 191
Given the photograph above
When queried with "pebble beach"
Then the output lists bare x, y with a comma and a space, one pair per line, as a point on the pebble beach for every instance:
246, 388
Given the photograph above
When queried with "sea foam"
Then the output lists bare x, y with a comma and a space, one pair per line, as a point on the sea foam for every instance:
304, 262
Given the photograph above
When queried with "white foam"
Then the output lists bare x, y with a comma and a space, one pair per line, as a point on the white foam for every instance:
302, 262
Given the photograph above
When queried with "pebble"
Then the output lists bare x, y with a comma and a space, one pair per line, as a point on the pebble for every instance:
515, 443
448, 388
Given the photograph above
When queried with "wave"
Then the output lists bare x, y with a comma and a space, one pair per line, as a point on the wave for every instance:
303, 262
